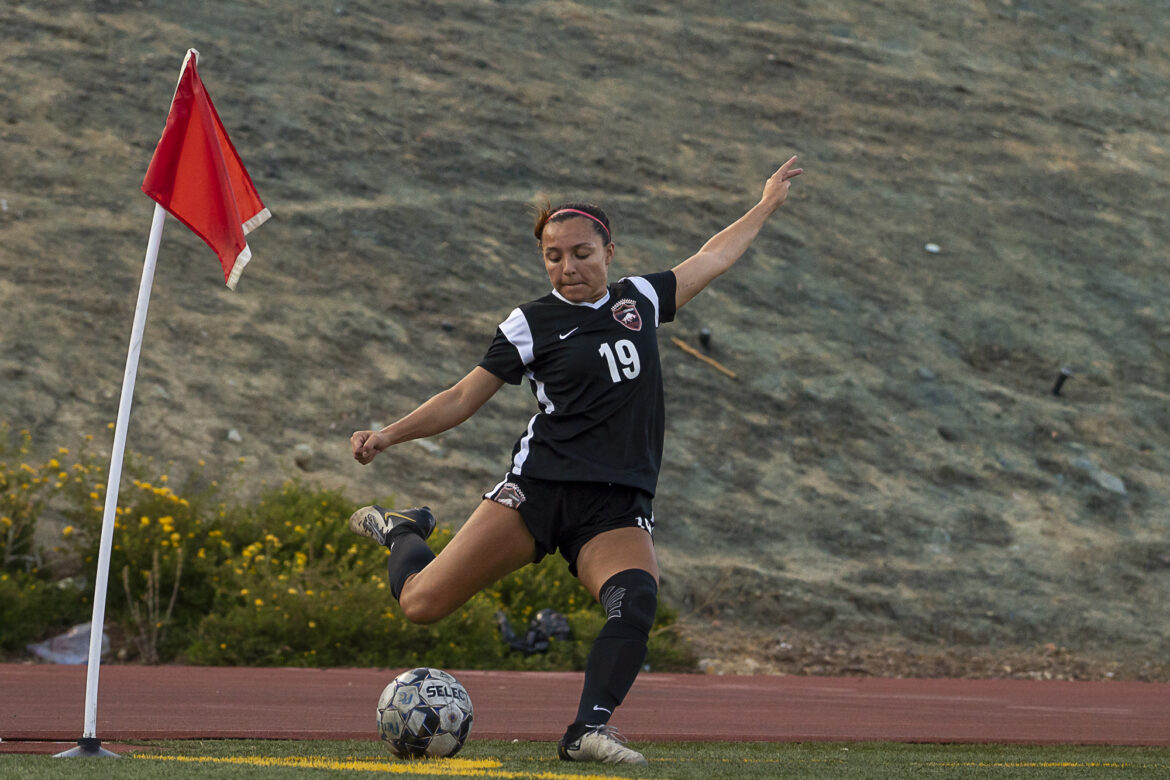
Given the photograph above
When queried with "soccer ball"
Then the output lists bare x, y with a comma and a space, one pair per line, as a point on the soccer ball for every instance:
424, 713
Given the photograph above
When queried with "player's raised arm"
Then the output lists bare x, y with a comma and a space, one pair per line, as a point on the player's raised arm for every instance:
440, 413
729, 244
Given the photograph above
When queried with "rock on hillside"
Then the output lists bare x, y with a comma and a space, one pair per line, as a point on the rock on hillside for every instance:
888, 477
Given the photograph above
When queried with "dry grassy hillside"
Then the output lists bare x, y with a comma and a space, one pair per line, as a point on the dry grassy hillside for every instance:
888, 487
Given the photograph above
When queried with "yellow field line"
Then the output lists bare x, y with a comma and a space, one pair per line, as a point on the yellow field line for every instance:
447, 767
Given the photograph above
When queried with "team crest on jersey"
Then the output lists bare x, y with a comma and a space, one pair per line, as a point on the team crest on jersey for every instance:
625, 311
510, 495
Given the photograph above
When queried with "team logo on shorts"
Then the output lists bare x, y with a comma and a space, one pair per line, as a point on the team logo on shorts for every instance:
625, 311
510, 495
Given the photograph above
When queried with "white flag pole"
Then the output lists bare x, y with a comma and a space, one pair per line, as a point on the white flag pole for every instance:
89, 744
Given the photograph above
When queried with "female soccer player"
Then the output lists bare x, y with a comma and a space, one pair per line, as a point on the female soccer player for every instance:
583, 474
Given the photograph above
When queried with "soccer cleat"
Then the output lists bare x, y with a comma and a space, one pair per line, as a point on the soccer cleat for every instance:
602, 744
377, 522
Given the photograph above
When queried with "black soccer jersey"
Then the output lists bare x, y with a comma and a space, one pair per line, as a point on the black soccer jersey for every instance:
594, 370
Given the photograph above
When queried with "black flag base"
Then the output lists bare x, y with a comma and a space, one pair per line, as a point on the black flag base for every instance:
88, 747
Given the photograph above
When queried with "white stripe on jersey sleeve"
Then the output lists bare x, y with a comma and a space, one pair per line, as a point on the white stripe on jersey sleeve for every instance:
519, 334
648, 290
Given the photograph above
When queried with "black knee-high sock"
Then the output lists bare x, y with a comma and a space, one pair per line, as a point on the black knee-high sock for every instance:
409, 554
630, 599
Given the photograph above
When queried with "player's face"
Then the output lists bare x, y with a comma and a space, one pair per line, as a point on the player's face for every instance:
576, 258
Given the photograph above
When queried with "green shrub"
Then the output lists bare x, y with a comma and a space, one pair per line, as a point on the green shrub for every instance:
24, 492
34, 608
277, 581
303, 591
35, 601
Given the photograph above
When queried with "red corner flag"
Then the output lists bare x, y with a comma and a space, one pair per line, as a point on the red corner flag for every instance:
197, 175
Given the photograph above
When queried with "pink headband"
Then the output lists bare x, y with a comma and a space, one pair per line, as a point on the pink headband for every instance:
583, 214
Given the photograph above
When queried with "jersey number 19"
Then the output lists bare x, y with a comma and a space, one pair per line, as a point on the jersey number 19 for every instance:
627, 355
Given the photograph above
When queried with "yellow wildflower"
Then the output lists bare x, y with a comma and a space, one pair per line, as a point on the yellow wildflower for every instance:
145, 521
312, 623
67, 530
259, 602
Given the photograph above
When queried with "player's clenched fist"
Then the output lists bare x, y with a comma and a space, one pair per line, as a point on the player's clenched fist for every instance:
366, 444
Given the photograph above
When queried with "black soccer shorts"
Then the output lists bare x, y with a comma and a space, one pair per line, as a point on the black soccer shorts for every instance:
566, 515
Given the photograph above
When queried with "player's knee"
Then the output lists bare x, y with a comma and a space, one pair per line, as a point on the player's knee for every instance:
422, 608
630, 600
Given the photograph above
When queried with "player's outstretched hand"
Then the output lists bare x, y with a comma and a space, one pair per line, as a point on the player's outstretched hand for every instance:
776, 189
366, 444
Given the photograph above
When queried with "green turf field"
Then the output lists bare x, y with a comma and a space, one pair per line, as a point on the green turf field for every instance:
536, 761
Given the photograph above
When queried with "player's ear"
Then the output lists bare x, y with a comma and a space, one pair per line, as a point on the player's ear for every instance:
608, 254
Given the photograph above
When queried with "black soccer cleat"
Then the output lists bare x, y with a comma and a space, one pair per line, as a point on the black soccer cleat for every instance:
377, 522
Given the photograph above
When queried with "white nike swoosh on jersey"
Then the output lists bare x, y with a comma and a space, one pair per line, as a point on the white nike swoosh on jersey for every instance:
603, 709
570, 333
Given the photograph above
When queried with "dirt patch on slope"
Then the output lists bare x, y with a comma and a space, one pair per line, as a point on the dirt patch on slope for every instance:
890, 468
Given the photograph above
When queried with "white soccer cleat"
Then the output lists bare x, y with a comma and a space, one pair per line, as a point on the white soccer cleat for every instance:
376, 522
602, 744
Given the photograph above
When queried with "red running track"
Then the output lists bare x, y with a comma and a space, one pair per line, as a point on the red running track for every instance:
47, 703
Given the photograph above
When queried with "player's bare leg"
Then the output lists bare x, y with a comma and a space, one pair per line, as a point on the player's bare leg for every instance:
620, 569
493, 543
615, 551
